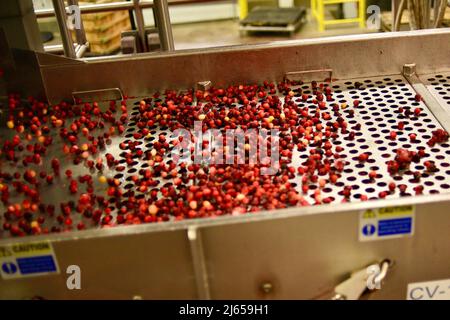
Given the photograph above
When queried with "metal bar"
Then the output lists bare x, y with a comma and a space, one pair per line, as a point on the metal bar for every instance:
339, 21
397, 14
140, 24
92, 8
66, 37
162, 22
306, 76
394, 8
106, 94
79, 32
81, 50
131, 15
116, 6
198, 261
440, 12
55, 48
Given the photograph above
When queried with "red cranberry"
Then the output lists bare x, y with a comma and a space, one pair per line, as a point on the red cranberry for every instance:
393, 135
363, 157
392, 186
417, 112
418, 190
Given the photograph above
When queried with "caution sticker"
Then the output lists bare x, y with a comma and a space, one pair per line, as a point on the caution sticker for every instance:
386, 223
27, 260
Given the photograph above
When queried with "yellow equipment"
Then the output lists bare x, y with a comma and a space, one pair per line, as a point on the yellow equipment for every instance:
318, 6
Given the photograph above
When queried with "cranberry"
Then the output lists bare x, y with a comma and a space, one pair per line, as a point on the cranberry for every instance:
153, 209
430, 166
402, 188
393, 135
49, 179
363, 157
392, 186
404, 157
417, 112
418, 190
382, 194
73, 187
55, 166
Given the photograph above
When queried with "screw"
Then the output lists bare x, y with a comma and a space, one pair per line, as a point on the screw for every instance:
267, 287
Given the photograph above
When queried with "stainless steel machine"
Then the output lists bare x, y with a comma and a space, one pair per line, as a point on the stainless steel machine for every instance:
309, 252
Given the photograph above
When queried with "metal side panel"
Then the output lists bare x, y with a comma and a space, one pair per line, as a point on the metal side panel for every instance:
151, 265
348, 56
304, 258
294, 257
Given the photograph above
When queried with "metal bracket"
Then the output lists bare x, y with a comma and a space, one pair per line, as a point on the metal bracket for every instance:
310, 75
153, 41
409, 69
98, 95
131, 43
370, 278
204, 85
198, 260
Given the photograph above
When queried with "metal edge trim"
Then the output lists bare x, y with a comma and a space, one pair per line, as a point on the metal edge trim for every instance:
292, 212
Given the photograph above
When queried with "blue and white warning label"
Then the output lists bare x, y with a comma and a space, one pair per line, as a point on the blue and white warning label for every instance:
386, 223
27, 259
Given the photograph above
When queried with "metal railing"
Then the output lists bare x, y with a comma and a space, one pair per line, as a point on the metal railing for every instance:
116, 6
160, 10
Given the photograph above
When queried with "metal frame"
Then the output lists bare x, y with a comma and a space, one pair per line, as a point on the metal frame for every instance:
61, 17
115, 6
162, 21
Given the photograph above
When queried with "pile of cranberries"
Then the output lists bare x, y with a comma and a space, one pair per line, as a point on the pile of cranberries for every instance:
113, 190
